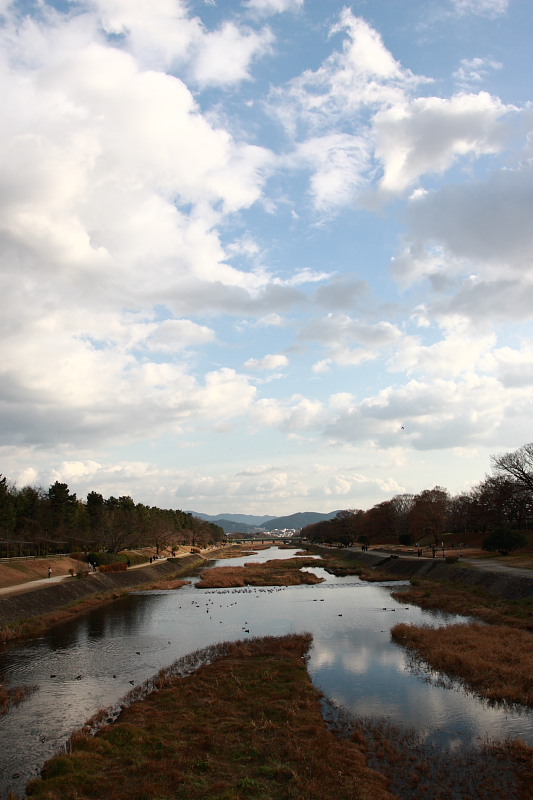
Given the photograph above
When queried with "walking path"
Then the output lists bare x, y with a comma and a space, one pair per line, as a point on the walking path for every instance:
29, 586
497, 566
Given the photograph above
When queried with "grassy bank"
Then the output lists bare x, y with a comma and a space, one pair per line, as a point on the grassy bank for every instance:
276, 572
27, 628
494, 661
248, 725
469, 601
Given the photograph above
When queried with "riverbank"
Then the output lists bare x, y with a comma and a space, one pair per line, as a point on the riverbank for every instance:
29, 613
248, 725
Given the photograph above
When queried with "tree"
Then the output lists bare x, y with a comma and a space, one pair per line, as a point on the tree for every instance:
517, 465
499, 502
61, 511
428, 514
400, 506
504, 540
7, 510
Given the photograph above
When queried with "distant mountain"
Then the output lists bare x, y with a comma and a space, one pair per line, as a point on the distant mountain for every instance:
228, 526
248, 523
246, 519
298, 520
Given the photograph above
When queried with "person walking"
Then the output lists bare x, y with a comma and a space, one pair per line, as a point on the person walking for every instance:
49, 572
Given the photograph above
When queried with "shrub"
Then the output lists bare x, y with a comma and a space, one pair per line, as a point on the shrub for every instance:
504, 540
118, 566
106, 558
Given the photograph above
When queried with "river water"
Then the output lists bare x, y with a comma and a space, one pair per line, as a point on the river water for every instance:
92, 662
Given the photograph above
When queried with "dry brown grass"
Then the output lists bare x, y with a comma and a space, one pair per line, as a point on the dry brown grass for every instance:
13, 573
494, 661
468, 601
238, 552
270, 573
248, 725
419, 770
13, 695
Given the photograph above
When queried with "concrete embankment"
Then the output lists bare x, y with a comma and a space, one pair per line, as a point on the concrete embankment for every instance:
512, 587
50, 599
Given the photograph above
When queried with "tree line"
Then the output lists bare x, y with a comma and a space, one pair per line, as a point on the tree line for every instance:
38, 522
502, 502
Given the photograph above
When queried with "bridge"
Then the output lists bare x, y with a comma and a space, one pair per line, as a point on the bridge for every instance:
267, 539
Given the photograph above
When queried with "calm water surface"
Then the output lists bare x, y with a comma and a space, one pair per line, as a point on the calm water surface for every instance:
90, 663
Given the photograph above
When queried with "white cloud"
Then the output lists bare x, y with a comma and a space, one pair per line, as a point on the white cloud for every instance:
474, 241
296, 414
428, 415
457, 353
364, 75
225, 55
513, 367
473, 71
427, 135
176, 334
266, 7
489, 8
268, 362
340, 163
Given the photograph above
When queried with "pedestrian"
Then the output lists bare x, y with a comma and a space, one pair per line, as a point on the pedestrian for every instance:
49, 572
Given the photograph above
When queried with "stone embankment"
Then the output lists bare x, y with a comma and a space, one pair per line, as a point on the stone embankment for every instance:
50, 599
512, 587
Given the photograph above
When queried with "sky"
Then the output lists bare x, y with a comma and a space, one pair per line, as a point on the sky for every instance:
264, 256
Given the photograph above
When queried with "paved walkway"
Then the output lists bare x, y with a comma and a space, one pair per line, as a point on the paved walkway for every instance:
496, 566
484, 564
19, 588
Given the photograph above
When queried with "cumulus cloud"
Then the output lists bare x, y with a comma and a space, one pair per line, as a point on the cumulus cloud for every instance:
339, 333
177, 334
268, 362
428, 415
474, 242
363, 75
143, 199
225, 55
427, 135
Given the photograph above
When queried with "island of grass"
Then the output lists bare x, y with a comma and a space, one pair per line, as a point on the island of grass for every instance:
247, 725
276, 572
494, 661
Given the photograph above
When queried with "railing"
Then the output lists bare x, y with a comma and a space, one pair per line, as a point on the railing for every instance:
25, 558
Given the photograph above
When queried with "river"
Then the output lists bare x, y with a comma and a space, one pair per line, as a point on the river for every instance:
92, 662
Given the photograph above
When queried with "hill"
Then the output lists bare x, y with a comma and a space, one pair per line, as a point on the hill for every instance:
244, 519
248, 523
298, 520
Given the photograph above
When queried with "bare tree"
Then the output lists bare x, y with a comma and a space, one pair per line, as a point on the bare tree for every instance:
517, 465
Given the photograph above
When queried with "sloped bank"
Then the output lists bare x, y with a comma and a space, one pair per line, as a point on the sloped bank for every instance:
507, 585
49, 600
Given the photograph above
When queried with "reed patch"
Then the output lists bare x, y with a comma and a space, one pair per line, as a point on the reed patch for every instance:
276, 572
494, 661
